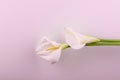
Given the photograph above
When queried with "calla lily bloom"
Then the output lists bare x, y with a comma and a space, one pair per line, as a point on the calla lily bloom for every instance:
50, 50
77, 40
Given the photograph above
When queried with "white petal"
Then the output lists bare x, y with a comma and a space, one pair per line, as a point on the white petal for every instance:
75, 41
43, 52
91, 39
45, 43
45, 39
50, 55
52, 42
53, 56
42, 46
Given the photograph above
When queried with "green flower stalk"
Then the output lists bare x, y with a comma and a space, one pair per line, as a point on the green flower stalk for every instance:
105, 42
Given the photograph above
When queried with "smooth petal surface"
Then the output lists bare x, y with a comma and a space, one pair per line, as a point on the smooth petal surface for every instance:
90, 39
73, 39
49, 50
45, 43
53, 56
77, 40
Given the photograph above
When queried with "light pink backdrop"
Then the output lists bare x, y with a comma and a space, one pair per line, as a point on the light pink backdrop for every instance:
24, 22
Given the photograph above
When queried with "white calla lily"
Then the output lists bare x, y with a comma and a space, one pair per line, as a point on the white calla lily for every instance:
49, 50
77, 40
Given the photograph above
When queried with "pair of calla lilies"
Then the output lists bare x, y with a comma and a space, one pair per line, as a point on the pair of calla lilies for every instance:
51, 50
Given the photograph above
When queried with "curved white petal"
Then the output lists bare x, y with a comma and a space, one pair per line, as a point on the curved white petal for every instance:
42, 46
53, 56
76, 40
45, 39
49, 50
73, 39
90, 39
44, 43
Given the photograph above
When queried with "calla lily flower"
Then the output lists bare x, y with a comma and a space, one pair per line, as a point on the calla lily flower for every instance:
77, 40
49, 50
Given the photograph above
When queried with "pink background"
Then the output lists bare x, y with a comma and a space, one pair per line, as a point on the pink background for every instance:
24, 22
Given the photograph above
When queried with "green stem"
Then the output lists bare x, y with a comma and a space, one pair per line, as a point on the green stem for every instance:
64, 46
105, 42
110, 40
102, 42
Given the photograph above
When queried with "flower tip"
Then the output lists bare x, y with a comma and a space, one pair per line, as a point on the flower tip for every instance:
68, 30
